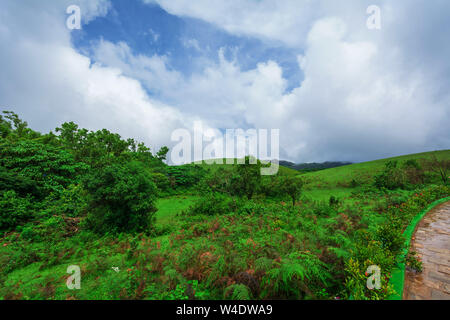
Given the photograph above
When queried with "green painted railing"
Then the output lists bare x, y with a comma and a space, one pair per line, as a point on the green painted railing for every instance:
398, 275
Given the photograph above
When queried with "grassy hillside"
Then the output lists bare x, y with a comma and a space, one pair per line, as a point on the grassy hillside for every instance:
362, 172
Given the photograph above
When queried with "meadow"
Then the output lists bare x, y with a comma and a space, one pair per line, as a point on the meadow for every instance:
140, 229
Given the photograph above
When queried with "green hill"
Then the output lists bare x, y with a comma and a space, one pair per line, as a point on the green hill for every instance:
362, 172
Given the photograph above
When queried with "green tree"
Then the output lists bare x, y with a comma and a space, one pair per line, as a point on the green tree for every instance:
50, 168
292, 186
162, 153
122, 198
13, 128
247, 179
93, 147
439, 166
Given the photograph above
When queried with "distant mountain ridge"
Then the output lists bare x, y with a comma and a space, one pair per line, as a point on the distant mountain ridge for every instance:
314, 166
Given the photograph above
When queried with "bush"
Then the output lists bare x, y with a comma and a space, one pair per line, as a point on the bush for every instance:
355, 183
218, 181
214, 204
414, 172
391, 237
391, 178
13, 210
320, 209
186, 176
50, 230
122, 198
413, 262
356, 282
250, 207
161, 181
334, 202
271, 186
369, 251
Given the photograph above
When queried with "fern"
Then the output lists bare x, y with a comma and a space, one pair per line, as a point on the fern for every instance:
237, 292
294, 274
263, 264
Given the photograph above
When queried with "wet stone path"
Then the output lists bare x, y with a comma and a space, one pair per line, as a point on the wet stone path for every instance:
432, 243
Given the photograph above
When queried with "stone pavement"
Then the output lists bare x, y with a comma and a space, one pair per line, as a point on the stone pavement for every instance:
432, 243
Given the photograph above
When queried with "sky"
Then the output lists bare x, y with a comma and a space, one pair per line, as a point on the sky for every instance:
337, 90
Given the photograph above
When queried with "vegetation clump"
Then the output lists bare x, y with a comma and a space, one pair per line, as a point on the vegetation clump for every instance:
197, 231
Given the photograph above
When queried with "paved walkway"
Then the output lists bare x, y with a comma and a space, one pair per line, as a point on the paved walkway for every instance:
432, 243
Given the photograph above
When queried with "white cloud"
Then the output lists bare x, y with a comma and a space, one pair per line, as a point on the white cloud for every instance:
354, 107
223, 94
91, 9
364, 94
354, 103
47, 82
152, 71
286, 20
192, 43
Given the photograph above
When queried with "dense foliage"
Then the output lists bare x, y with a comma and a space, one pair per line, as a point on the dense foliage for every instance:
121, 198
140, 229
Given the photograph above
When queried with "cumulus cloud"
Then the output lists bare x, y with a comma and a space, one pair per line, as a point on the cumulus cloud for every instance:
286, 20
48, 82
353, 106
363, 94
354, 102
223, 94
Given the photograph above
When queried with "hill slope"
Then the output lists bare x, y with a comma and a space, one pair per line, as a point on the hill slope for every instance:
364, 171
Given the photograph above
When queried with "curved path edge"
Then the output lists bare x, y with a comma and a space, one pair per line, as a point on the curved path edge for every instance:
431, 241
398, 275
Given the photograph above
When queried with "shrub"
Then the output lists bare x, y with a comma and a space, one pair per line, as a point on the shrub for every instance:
122, 197
413, 262
187, 175
13, 210
161, 181
217, 181
214, 204
368, 251
390, 236
414, 172
271, 186
355, 183
50, 230
320, 209
391, 178
356, 282
250, 207
334, 202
